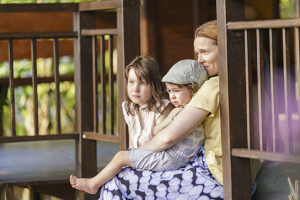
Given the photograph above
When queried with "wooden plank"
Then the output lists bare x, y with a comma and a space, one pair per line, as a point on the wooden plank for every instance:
95, 83
29, 35
297, 68
107, 5
39, 137
103, 84
34, 87
264, 155
9, 193
261, 24
111, 86
86, 162
100, 137
57, 84
274, 91
43, 7
96, 32
249, 92
12, 87
128, 47
260, 88
28, 81
231, 47
287, 89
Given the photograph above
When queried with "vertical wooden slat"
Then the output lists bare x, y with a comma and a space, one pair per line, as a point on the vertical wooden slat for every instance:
95, 83
111, 85
12, 87
297, 71
103, 84
34, 87
231, 55
86, 157
249, 95
297, 60
287, 90
57, 83
9, 193
276, 138
260, 88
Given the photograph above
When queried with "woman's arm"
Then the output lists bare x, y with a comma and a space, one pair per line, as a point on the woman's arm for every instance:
167, 120
180, 127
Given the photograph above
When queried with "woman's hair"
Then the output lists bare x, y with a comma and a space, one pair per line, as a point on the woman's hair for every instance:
146, 69
208, 30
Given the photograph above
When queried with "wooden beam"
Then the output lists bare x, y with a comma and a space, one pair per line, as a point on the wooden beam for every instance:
271, 156
100, 137
39, 138
6, 36
43, 7
96, 32
265, 24
107, 5
231, 48
86, 161
128, 47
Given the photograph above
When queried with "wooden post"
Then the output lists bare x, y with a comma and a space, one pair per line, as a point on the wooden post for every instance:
86, 161
231, 47
9, 193
128, 47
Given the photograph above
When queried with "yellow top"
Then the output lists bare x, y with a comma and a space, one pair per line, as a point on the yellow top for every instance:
208, 98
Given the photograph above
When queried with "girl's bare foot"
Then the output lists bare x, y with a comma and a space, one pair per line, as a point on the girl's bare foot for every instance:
83, 184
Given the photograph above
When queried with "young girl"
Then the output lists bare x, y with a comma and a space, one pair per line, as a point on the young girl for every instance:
145, 102
182, 80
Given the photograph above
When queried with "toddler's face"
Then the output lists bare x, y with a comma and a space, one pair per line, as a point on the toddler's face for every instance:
138, 92
178, 95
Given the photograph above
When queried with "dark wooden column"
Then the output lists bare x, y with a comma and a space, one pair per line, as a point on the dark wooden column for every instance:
231, 47
86, 162
128, 47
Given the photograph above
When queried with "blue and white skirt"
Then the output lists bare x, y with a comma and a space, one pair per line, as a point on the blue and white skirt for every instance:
191, 182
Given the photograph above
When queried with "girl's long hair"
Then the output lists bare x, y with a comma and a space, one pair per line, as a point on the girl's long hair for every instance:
146, 69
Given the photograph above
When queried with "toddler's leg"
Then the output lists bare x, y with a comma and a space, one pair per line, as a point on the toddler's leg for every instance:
121, 159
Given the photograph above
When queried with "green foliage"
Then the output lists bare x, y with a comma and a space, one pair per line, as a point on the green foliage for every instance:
3, 102
287, 9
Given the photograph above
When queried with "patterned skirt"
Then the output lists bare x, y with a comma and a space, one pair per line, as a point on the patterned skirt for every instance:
191, 182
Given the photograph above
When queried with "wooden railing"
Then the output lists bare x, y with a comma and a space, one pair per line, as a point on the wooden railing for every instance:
243, 68
124, 37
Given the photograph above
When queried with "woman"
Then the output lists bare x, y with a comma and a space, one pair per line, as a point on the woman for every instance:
204, 177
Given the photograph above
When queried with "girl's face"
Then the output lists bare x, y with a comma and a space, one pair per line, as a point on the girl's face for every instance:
207, 52
178, 96
138, 92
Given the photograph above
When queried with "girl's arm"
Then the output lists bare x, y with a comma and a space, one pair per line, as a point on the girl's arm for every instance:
166, 121
165, 113
131, 145
180, 127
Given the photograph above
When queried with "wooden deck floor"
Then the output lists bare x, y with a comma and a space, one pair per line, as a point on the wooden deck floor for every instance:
45, 161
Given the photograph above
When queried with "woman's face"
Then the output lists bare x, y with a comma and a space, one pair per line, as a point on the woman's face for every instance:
207, 53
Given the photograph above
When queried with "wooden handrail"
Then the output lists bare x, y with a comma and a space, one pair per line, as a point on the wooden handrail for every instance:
29, 35
39, 137
271, 156
44, 7
276, 23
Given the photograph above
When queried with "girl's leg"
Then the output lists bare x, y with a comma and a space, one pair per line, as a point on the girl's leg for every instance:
91, 185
